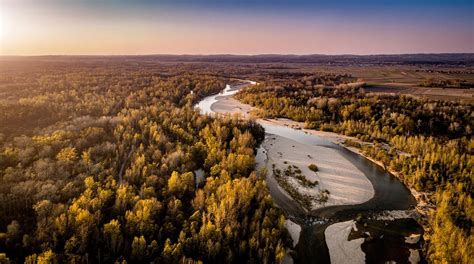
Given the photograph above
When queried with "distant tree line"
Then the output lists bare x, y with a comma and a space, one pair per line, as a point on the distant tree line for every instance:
447, 83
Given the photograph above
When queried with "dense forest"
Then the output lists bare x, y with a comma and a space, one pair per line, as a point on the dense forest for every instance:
100, 163
427, 143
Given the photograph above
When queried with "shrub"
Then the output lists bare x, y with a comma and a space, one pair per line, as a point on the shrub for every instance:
313, 167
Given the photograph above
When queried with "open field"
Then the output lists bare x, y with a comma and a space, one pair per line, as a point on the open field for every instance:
464, 95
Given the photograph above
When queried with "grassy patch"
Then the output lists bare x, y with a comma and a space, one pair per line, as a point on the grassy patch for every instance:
293, 171
352, 143
303, 199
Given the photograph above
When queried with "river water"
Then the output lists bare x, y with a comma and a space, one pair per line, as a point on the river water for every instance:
387, 238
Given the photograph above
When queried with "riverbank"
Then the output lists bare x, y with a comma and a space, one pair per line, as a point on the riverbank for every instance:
336, 181
341, 249
229, 105
294, 230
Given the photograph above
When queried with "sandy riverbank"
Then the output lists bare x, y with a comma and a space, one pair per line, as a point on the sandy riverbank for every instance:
330, 136
294, 230
227, 104
345, 183
341, 250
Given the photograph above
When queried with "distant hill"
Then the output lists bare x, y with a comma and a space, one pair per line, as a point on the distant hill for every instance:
460, 59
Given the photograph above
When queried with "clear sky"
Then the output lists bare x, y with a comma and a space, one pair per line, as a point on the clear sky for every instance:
40, 27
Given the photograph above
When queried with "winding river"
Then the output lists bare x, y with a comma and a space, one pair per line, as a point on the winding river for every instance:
384, 240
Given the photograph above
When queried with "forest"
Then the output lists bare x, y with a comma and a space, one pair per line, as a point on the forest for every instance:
427, 143
98, 164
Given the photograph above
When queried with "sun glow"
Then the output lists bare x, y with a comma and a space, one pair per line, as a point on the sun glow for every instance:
1, 27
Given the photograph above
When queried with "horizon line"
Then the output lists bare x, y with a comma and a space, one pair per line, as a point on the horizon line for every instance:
235, 54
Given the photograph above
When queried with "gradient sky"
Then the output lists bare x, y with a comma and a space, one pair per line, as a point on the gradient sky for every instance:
40, 27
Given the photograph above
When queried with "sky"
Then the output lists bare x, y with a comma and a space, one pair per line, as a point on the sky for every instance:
121, 27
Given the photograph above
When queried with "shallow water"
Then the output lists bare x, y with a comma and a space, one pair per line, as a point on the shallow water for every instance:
205, 104
390, 194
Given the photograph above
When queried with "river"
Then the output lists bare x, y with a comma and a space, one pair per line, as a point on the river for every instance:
384, 240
